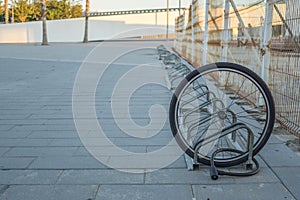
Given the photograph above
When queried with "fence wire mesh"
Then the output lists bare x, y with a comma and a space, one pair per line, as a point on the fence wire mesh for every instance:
238, 32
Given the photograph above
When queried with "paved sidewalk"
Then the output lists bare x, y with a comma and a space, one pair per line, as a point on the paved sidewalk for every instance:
42, 156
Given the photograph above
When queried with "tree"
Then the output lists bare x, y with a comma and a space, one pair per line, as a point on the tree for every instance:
65, 9
1, 9
36, 14
44, 13
76, 10
6, 16
86, 29
30, 10
22, 10
58, 9
52, 10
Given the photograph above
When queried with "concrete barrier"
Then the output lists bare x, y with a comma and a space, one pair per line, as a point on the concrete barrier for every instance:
72, 30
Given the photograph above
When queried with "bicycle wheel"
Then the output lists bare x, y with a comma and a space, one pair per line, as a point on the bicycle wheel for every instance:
216, 106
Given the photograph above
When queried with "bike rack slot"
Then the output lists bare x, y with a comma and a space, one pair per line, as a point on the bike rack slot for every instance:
224, 132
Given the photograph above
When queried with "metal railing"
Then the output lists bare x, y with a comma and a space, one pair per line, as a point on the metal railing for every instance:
133, 12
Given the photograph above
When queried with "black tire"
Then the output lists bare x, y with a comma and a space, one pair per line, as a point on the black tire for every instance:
262, 133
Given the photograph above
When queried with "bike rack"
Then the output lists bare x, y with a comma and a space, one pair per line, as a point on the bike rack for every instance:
178, 70
226, 131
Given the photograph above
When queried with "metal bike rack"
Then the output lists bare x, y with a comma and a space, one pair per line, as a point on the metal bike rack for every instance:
226, 131
211, 107
176, 69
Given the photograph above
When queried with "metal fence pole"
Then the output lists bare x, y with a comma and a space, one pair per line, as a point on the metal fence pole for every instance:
179, 7
167, 35
193, 33
225, 32
205, 38
266, 41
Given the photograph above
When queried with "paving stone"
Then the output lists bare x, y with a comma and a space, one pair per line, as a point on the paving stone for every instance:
145, 162
183, 176
50, 192
178, 164
14, 134
89, 177
3, 188
141, 192
30, 177
34, 142
10, 142
274, 140
279, 155
265, 175
20, 122
148, 141
65, 143
12, 116
53, 134
67, 162
241, 191
15, 163
43, 128
81, 151
290, 176
6, 127
40, 151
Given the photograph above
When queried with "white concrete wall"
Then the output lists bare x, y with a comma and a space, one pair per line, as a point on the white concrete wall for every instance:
145, 18
72, 30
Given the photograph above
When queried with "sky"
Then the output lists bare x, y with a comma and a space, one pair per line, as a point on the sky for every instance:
115, 5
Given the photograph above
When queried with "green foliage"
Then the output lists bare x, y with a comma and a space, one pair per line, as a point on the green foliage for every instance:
63, 9
1, 11
36, 11
58, 9
30, 10
76, 11
22, 10
1, 8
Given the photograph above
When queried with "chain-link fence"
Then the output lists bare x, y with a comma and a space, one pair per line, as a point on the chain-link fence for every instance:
263, 35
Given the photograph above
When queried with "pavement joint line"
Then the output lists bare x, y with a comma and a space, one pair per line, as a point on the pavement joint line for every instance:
34, 158
193, 192
96, 192
144, 177
59, 176
5, 152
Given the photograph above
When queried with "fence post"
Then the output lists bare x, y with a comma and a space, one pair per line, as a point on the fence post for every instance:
205, 38
265, 52
225, 32
183, 32
179, 7
167, 35
193, 33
